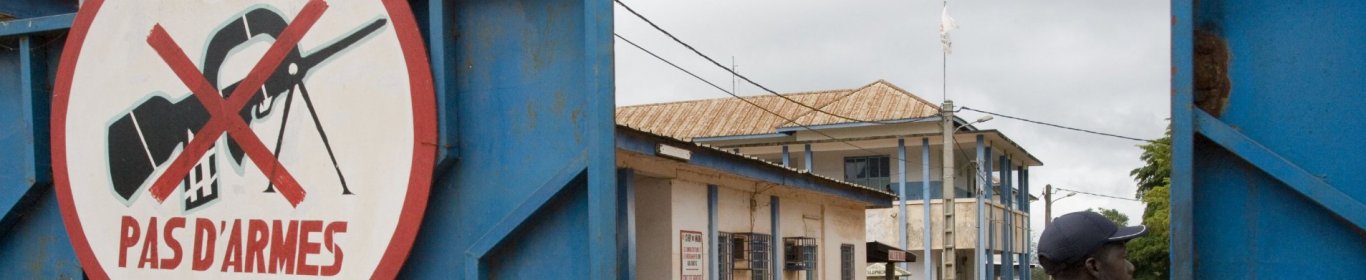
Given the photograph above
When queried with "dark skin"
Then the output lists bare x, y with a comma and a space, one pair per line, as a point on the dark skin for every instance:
1110, 262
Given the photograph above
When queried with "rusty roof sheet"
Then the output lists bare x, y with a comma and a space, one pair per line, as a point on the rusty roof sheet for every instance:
686, 120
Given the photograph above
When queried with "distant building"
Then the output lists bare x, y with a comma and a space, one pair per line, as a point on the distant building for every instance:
866, 154
700, 210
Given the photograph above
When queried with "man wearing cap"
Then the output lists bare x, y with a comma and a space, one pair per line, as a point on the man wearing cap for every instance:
1086, 245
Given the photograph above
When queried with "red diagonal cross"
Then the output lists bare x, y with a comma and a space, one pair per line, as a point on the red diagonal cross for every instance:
224, 118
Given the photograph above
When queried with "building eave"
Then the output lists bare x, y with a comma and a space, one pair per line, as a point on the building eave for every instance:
643, 142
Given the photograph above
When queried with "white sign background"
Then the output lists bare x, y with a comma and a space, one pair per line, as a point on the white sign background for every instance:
363, 97
690, 245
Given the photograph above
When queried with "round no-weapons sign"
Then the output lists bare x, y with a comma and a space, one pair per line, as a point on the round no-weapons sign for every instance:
243, 138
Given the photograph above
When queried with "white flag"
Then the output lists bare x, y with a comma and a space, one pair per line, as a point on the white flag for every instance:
946, 24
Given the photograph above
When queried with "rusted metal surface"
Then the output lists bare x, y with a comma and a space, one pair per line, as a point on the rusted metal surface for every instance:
1212, 84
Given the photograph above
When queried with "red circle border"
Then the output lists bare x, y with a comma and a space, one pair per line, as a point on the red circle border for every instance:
424, 138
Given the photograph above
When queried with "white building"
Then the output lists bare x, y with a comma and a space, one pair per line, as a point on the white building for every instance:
700, 210
870, 154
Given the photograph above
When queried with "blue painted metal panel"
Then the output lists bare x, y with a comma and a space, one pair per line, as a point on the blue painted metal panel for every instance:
1269, 169
37, 8
25, 26
23, 124
537, 187
1181, 248
532, 88
16, 128
36, 246
32, 237
434, 19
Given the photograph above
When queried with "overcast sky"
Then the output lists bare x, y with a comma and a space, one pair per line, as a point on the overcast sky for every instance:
1100, 65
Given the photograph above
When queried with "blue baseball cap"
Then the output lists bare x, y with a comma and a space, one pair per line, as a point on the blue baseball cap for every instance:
1071, 237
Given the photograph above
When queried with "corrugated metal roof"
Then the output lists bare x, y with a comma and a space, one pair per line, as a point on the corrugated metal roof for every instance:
686, 120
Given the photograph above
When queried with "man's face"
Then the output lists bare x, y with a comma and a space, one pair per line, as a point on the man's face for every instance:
1113, 263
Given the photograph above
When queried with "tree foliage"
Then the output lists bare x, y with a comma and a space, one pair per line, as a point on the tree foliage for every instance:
1157, 168
1149, 253
1113, 215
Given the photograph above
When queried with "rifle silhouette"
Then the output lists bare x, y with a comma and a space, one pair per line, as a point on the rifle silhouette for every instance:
149, 134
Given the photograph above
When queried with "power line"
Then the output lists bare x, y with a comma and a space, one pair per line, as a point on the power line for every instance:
1095, 194
1059, 126
737, 74
751, 103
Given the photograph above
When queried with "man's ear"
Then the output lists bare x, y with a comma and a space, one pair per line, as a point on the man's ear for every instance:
1092, 267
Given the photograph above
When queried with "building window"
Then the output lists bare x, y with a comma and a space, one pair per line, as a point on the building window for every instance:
725, 255
870, 171
846, 261
745, 251
800, 255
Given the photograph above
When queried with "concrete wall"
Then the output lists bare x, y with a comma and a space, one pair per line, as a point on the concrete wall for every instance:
654, 228
882, 225
842, 226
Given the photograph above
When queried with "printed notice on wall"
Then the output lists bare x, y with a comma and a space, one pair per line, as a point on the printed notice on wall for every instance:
690, 245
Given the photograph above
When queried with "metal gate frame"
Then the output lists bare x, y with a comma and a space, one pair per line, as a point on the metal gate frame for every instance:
1242, 190
526, 173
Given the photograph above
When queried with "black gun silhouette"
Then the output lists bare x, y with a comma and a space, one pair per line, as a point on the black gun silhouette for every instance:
149, 134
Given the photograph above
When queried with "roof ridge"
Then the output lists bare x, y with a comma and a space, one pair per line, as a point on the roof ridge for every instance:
837, 99
751, 97
909, 93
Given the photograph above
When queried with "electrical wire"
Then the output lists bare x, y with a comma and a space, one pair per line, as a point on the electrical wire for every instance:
742, 77
1095, 194
1058, 126
751, 103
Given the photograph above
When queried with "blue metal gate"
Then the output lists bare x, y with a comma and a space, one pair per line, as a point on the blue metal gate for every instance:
526, 182
1267, 99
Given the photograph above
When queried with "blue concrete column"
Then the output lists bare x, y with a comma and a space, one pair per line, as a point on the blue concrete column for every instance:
776, 267
1008, 235
979, 262
712, 236
1007, 262
1024, 206
901, 195
991, 216
787, 157
626, 223
808, 158
925, 200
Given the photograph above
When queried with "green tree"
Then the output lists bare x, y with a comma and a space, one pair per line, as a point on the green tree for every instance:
1157, 168
1120, 219
1113, 215
1149, 253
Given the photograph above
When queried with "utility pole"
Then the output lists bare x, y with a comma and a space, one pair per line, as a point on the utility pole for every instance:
948, 271
1047, 204
1048, 201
